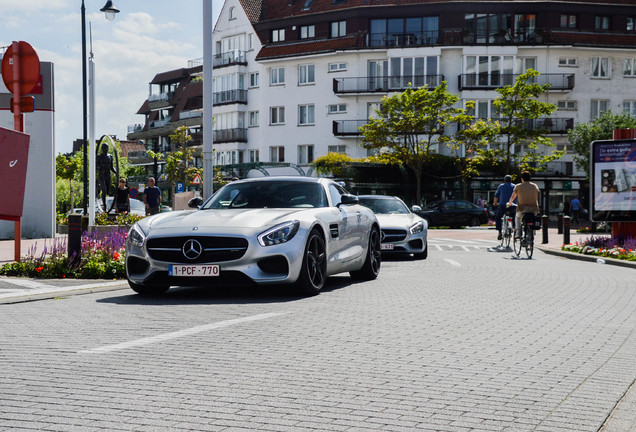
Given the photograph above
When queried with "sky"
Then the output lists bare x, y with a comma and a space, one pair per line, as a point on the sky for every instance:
147, 37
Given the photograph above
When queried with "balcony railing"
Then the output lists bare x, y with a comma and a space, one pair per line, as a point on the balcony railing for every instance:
159, 123
403, 39
490, 81
230, 96
552, 125
183, 115
230, 58
352, 127
135, 128
230, 135
166, 96
383, 84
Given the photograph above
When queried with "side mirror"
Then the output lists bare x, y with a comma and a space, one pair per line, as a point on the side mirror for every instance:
416, 209
348, 199
195, 202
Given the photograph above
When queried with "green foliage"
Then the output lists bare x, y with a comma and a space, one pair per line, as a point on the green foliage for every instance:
180, 163
602, 128
334, 163
121, 219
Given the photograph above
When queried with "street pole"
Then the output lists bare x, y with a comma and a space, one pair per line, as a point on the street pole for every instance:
208, 121
93, 156
84, 111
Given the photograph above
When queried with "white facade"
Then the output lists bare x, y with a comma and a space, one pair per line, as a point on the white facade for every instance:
602, 82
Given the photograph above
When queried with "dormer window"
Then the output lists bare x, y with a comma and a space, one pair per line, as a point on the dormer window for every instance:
278, 35
307, 31
338, 29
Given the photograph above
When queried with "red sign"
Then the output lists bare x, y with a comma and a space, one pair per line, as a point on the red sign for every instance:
196, 180
14, 158
26, 103
29, 67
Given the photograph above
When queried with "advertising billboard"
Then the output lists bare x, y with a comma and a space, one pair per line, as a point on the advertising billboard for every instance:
613, 180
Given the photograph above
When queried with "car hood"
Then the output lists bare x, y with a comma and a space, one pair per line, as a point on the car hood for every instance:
397, 220
247, 218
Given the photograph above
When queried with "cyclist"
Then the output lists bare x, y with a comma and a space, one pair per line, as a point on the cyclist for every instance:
503, 194
527, 195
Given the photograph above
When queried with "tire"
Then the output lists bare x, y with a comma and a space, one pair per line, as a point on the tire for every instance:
313, 273
474, 221
373, 261
516, 245
529, 243
422, 255
148, 290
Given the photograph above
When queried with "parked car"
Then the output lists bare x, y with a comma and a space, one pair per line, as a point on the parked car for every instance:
454, 213
267, 230
136, 207
403, 232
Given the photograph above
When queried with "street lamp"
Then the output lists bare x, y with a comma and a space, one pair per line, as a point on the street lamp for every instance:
109, 10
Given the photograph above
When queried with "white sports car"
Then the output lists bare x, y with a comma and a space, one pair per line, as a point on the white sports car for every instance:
268, 230
403, 231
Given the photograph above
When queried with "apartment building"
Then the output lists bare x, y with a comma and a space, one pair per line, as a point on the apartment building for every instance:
295, 79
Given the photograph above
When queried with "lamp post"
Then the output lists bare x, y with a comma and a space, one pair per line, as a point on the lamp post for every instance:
109, 10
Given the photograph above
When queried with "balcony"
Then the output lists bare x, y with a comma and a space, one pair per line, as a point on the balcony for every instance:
230, 135
229, 58
401, 40
135, 128
351, 128
491, 81
139, 157
230, 97
384, 84
158, 123
183, 115
159, 100
552, 125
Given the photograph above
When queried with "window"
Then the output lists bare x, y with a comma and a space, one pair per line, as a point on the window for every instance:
277, 154
232, 13
305, 154
252, 118
254, 157
629, 107
564, 61
277, 76
338, 29
306, 74
404, 31
489, 71
250, 41
598, 108
276, 115
631, 24
337, 149
278, 35
254, 79
601, 22
568, 21
307, 31
566, 105
600, 67
629, 67
306, 114
337, 67
337, 109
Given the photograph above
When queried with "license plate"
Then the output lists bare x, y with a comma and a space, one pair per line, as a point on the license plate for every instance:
386, 246
194, 270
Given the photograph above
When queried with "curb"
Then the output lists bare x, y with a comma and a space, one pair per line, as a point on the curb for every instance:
589, 258
62, 292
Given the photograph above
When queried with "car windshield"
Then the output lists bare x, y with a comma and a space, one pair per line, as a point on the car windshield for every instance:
269, 194
385, 205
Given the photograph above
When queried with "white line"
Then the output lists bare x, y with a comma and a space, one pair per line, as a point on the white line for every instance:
26, 283
464, 247
437, 246
33, 287
178, 334
452, 262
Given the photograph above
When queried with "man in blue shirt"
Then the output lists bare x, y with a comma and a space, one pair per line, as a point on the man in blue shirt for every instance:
575, 207
152, 197
502, 196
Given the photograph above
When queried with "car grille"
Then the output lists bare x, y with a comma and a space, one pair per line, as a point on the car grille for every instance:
215, 249
393, 235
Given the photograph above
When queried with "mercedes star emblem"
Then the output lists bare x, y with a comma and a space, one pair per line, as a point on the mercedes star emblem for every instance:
192, 249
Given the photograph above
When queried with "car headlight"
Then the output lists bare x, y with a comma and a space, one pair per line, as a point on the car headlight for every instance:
417, 228
136, 236
279, 234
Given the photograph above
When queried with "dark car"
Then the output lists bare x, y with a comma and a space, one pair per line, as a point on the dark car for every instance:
454, 213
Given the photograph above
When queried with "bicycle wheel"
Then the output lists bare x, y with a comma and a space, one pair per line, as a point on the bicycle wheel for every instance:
529, 243
505, 239
516, 245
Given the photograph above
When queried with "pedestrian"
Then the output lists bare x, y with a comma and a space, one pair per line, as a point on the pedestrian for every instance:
480, 202
121, 199
503, 194
575, 209
527, 195
152, 197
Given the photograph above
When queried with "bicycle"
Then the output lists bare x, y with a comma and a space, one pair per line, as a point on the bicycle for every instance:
526, 241
507, 226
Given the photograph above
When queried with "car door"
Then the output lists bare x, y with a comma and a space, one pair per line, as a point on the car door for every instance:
449, 213
348, 245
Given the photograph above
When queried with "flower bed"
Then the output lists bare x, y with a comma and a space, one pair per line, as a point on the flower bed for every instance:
621, 247
102, 257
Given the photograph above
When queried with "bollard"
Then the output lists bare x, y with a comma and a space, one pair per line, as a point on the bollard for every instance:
545, 221
566, 230
560, 224
74, 239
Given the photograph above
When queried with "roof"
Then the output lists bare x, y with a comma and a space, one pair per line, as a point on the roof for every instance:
253, 9
312, 47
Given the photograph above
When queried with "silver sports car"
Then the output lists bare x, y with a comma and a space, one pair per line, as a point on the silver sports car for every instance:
402, 231
268, 230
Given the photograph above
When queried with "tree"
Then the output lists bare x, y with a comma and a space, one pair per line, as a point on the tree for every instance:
601, 128
411, 125
516, 105
67, 168
180, 163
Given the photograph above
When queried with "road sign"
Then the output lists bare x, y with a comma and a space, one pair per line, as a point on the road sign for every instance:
196, 180
180, 187
29, 67
133, 192
26, 103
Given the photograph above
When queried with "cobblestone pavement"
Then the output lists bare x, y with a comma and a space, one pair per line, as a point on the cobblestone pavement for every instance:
469, 339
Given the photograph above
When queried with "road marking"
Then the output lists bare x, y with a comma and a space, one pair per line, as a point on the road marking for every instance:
178, 334
26, 283
33, 287
452, 262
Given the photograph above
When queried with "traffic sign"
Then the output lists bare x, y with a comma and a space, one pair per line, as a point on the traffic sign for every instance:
26, 103
180, 187
29, 67
196, 180
133, 192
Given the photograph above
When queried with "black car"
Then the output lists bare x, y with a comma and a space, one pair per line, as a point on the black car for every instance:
454, 213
